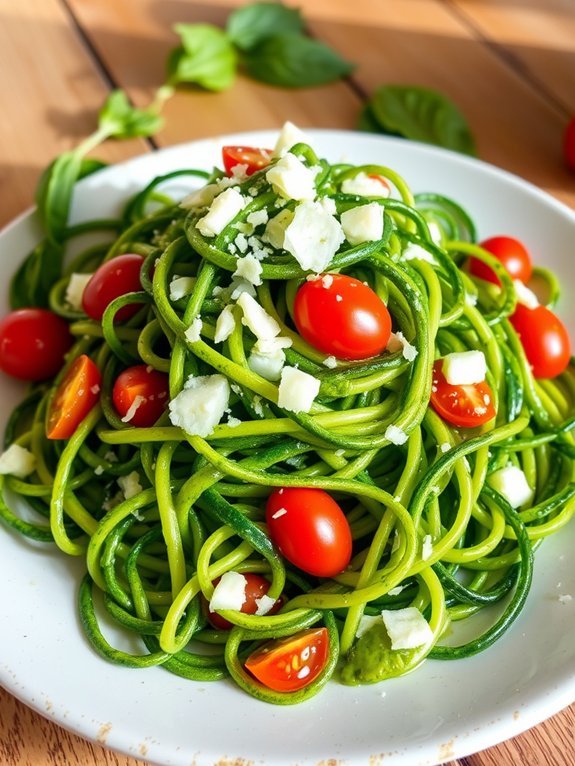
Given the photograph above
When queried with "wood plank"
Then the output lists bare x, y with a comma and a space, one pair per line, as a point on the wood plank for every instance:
53, 92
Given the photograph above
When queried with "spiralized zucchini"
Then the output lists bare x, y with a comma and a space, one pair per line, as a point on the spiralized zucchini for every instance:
429, 531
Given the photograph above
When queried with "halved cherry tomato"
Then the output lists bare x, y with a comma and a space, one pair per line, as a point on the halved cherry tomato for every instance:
544, 339
152, 388
342, 317
77, 393
290, 664
118, 276
569, 144
466, 406
33, 343
255, 159
310, 530
256, 587
511, 253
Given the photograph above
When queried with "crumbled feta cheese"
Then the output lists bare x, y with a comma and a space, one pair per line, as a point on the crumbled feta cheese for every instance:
445, 447
180, 287
201, 197
366, 622
269, 365
291, 179
222, 211
133, 408
413, 251
397, 341
264, 604
258, 217
363, 223
297, 390
407, 628
233, 422
363, 185
426, 548
328, 204
279, 513
395, 435
271, 345
130, 485
75, 289
525, 296
229, 593
193, 333
240, 285
313, 237
99, 470
200, 406
396, 591
275, 230
17, 461
257, 405
289, 136
330, 362
241, 242
249, 268
225, 325
240, 172
463, 368
257, 319
512, 484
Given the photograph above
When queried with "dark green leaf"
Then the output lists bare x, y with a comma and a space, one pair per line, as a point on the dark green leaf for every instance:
54, 193
206, 57
90, 166
252, 24
119, 119
421, 115
294, 61
367, 121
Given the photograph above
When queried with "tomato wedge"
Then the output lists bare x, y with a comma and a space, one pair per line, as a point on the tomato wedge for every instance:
466, 406
77, 393
254, 159
290, 664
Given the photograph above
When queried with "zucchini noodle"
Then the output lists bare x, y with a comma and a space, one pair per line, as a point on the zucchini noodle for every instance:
429, 530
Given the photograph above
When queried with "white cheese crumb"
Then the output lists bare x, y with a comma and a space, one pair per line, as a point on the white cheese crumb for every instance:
133, 408
193, 333
297, 390
249, 268
471, 299
426, 548
180, 287
397, 341
363, 223
17, 461
200, 197
313, 237
328, 204
240, 285
257, 319
95, 389
330, 362
396, 591
229, 593
291, 179
271, 345
525, 296
200, 406
75, 289
445, 447
130, 485
99, 470
257, 405
279, 513
414, 251
233, 422
407, 628
225, 325
289, 136
240, 172
258, 217
363, 185
395, 435
511, 482
241, 242
327, 281
264, 604
269, 365
275, 230
463, 368
222, 211
366, 622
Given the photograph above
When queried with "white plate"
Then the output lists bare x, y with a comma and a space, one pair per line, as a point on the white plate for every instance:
443, 710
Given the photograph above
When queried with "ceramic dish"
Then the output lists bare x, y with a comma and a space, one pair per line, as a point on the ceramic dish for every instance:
441, 711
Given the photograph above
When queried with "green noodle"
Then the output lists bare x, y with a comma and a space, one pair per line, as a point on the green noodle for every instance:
199, 509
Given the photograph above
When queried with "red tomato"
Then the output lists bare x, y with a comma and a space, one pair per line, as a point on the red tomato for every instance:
511, 253
77, 393
310, 530
544, 339
569, 144
255, 159
118, 276
342, 317
256, 587
466, 406
33, 343
152, 388
290, 664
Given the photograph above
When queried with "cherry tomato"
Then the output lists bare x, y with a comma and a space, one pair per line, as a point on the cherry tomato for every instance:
569, 144
33, 343
310, 530
290, 664
466, 406
118, 276
152, 388
342, 317
256, 587
544, 339
255, 159
77, 393
511, 253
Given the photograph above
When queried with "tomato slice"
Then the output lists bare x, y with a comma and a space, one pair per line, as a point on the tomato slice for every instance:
290, 664
510, 252
466, 406
140, 394
544, 338
77, 393
256, 587
254, 159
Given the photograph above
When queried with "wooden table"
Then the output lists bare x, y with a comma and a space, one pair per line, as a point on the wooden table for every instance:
508, 64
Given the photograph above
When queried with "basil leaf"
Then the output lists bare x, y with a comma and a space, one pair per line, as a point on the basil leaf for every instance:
421, 114
206, 57
367, 121
293, 61
119, 119
250, 25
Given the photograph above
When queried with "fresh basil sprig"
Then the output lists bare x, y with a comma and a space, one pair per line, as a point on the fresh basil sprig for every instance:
420, 114
205, 57
250, 25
